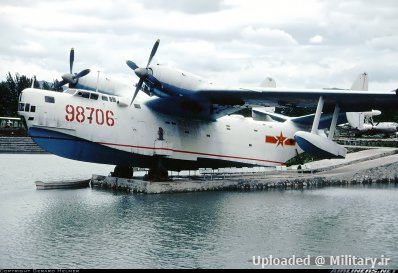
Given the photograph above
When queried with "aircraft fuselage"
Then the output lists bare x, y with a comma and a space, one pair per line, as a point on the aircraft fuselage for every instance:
94, 127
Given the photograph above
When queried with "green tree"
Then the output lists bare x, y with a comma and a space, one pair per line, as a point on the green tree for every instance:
46, 86
10, 91
4, 98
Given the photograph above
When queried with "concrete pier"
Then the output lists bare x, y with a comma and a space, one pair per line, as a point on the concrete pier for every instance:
368, 166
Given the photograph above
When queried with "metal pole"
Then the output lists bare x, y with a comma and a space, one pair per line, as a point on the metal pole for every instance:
96, 90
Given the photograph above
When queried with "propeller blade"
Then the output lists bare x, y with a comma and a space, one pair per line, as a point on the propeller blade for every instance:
132, 65
58, 84
82, 73
153, 52
142, 73
137, 89
71, 59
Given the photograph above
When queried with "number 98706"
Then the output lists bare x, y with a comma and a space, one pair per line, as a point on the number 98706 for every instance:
89, 114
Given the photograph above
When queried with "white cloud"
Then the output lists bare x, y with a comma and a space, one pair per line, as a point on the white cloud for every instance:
230, 41
317, 39
385, 42
268, 37
193, 7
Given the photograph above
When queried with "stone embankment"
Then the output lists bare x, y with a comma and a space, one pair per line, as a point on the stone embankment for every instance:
19, 145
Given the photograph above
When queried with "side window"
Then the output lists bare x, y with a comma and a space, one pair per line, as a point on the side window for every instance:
94, 96
49, 99
33, 108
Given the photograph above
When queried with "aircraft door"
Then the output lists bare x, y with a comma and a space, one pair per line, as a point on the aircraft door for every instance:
49, 112
138, 138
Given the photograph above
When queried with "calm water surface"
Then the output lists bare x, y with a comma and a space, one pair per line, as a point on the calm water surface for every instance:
86, 228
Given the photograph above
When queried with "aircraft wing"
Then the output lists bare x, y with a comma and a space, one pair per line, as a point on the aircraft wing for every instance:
212, 103
348, 100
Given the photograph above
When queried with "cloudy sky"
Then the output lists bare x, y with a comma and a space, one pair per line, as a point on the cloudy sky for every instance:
307, 44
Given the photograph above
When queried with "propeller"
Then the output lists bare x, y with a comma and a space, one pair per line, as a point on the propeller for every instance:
142, 73
71, 78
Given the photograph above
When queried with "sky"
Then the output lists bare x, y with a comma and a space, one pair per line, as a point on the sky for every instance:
306, 44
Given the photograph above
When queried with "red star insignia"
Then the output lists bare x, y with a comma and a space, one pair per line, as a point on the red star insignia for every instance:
280, 139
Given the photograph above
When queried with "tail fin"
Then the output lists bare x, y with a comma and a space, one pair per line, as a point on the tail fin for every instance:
355, 119
268, 82
361, 83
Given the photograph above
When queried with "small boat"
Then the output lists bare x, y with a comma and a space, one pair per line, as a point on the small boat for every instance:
62, 184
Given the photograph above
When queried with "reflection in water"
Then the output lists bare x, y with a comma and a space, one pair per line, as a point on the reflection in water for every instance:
88, 228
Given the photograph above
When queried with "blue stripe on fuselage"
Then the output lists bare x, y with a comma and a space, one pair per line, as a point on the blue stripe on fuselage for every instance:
72, 147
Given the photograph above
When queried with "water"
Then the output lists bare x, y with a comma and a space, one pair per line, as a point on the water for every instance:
85, 228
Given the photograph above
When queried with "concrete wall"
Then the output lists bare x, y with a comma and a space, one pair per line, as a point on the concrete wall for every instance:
19, 145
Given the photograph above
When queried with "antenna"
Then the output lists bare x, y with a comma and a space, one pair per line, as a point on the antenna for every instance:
33, 81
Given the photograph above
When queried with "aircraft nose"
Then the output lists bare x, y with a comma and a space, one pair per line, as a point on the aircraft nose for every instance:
141, 72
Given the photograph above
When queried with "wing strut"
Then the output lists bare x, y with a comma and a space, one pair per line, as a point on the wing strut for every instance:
317, 117
334, 122
317, 145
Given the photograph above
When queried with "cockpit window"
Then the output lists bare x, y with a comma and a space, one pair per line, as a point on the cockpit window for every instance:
21, 107
49, 99
70, 91
94, 96
27, 107
104, 98
83, 94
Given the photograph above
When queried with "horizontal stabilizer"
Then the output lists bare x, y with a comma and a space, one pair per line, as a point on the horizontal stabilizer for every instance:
358, 119
261, 113
325, 121
264, 114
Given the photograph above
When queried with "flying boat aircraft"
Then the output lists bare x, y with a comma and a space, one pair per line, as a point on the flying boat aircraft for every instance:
175, 120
